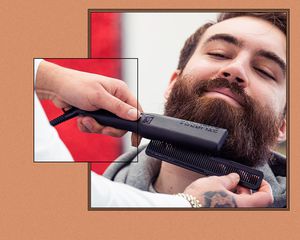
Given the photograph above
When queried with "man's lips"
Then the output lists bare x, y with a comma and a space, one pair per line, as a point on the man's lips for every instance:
227, 92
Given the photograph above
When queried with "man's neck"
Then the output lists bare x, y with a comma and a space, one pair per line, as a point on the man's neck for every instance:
173, 179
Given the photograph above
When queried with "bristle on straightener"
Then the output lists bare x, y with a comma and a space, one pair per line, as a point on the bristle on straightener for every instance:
204, 163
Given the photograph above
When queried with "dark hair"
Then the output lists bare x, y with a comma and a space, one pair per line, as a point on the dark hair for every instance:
278, 19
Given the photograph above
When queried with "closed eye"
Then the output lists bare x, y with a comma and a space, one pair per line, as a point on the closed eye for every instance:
218, 55
266, 74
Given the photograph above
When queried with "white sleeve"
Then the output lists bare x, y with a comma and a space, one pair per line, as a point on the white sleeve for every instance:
105, 193
47, 144
37, 62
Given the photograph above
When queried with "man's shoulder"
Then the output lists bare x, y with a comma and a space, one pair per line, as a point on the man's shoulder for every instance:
278, 164
122, 162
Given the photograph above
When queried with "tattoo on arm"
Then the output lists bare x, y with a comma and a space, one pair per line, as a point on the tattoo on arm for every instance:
218, 199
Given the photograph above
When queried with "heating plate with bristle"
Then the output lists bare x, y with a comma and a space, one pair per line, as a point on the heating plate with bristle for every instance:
203, 163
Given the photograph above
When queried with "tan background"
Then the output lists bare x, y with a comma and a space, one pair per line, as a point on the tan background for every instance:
50, 201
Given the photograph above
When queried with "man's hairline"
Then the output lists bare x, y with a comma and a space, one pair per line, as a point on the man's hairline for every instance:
213, 23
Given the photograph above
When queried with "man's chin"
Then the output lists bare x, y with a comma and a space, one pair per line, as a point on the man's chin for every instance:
252, 129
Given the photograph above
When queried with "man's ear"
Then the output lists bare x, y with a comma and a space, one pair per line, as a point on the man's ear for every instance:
172, 81
282, 131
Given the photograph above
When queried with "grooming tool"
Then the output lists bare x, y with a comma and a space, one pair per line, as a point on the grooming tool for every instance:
158, 127
204, 163
190, 145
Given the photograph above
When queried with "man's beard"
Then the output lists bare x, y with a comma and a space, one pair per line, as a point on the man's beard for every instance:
252, 128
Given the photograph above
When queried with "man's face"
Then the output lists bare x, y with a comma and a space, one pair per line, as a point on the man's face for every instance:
251, 54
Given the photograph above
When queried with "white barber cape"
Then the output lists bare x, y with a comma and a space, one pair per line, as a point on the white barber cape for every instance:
104, 193
48, 147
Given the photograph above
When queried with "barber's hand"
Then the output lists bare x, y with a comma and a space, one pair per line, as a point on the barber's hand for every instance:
87, 91
224, 192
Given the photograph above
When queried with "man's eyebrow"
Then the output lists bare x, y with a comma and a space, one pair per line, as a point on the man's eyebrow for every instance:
263, 53
273, 57
226, 38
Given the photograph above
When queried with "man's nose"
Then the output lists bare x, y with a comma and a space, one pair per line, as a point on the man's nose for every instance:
235, 72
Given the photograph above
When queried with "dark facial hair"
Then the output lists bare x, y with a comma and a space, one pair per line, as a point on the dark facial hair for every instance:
252, 128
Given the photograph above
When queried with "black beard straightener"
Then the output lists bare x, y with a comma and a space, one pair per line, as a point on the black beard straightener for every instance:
186, 144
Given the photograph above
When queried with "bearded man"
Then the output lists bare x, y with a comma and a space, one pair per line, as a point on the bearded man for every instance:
231, 74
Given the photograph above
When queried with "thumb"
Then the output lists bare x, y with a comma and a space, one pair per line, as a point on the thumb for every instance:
230, 181
120, 108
